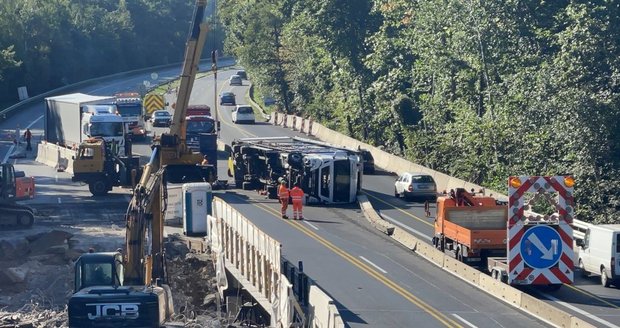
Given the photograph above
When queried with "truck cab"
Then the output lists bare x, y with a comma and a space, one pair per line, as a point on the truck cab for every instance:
130, 108
98, 121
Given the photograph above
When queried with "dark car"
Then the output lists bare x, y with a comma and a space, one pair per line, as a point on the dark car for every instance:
161, 118
242, 74
228, 98
368, 161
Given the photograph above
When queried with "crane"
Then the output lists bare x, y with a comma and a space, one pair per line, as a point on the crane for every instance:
130, 289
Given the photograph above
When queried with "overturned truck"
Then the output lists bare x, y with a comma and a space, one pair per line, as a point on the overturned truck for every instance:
328, 174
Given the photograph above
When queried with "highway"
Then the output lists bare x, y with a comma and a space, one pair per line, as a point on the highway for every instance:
375, 282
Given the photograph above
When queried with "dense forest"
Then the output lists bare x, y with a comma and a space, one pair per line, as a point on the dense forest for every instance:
45, 44
479, 89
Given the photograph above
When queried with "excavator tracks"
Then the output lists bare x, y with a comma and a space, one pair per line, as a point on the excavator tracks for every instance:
15, 216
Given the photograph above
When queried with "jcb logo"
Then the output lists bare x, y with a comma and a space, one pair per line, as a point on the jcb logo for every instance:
125, 310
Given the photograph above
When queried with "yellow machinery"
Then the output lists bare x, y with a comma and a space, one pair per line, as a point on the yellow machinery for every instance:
135, 293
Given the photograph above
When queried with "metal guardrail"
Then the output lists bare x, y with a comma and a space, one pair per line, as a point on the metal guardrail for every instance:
7, 112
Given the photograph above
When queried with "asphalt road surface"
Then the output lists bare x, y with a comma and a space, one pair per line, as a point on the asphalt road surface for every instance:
375, 282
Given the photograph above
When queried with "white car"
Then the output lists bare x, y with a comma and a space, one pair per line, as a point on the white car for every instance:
235, 80
415, 185
243, 114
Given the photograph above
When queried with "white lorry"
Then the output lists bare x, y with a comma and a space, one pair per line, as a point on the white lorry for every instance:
599, 253
73, 118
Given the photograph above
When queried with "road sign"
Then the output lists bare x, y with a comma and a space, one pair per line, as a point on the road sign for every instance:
541, 247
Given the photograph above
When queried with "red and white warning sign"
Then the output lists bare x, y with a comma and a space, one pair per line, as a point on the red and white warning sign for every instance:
540, 247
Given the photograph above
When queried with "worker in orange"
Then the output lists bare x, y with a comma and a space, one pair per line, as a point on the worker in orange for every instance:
283, 195
297, 194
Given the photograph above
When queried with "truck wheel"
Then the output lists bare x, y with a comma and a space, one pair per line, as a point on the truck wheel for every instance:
582, 268
98, 188
238, 184
604, 279
25, 220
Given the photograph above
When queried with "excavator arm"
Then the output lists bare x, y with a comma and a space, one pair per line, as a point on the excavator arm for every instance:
171, 161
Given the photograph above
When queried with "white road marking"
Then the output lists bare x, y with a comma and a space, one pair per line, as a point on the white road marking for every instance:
580, 311
463, 320
376, 266
312, 225
6, 157
406, 227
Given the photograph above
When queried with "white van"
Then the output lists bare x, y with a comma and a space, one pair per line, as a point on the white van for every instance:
599, 253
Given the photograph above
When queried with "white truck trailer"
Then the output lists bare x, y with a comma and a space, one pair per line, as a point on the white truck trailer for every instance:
69, 120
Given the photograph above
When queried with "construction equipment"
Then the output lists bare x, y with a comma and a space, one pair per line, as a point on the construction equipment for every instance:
135, 293
97, 165
514, 243
326, 173
129, 105
15, 186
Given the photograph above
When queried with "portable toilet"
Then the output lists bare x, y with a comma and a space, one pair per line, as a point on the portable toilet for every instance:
197, 201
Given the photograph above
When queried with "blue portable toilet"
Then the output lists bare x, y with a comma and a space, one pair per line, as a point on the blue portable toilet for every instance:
197, 201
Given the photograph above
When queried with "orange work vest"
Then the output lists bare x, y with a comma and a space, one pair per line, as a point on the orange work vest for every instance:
297, 194
283, 192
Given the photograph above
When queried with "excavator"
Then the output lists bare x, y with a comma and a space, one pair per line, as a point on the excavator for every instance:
128, 288
14, 186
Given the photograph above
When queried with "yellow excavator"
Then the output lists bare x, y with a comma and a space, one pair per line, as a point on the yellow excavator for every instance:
129, 288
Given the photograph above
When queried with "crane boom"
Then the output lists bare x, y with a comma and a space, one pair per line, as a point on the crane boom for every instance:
193, 51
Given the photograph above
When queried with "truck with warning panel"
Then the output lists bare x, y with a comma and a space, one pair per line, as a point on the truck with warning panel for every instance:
514, 243
328, 174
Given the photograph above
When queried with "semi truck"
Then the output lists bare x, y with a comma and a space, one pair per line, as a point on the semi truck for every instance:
511, 241
129, 106
327, 174
71, 119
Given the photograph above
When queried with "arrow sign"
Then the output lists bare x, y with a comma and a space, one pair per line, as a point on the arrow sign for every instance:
541, 247
547, 253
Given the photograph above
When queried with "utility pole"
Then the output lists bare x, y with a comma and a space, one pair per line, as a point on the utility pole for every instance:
214, 69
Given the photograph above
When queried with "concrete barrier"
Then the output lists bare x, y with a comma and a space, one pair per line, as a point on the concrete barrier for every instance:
461, 269
430, 253
322, 312
578, 323
404, 238
500, 290
55, 156
372, 216
545, 311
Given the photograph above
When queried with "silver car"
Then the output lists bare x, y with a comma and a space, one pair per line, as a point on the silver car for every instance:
415, 185
235, 80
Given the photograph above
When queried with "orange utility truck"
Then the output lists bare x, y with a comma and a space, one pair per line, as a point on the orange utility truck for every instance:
470, 228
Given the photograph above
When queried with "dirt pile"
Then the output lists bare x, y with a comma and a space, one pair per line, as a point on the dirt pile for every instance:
36, 270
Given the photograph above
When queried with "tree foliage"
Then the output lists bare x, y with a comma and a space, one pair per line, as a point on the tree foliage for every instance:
49, 43
478, 89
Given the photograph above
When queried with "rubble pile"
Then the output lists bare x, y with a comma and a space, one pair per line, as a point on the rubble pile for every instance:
36, 271
194, 292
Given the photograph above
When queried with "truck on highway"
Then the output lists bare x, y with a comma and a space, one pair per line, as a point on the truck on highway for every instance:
129, 106
152, 102
327, 174
513, 243
599, 253
73, 118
